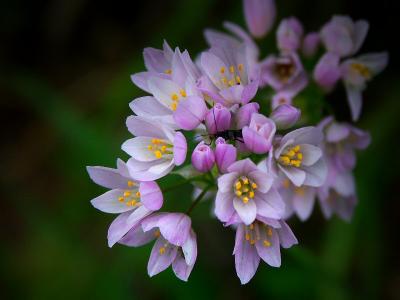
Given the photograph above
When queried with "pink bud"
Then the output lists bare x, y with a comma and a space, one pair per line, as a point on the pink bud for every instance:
310, 44
203, 158
225, 155
218, 119
327, 71
243, 115
259, 134
282, 97
260, 16
285, 116
289, 34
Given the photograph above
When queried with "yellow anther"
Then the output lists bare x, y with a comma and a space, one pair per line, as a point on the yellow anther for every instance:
232, 69
158, 154
362, 70
231, 82
299, 191
238, 193
245, 180
252, 242
127, 193
269, 232
131, 183
266, 243
222, 70
174, 97
137, 194
285, 160
163, 148
245, 200
254, 185
150, 147
300, 156
182, 92
174, 106
245, 190
238, 185
121, 199
286, 183
290, 153
162, 250
155, 141
168, 71
251, 194
240, 67
251, 226
296, 148
132, 203
238, 79
157, 233
247, 237
295, 163
224, 80
128, 204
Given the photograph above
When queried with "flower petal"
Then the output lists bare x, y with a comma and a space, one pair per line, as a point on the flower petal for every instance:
311, 154
109, 202
246, 211
161, 259
224, 206
270, 254
107, 177
296, 176
151, 195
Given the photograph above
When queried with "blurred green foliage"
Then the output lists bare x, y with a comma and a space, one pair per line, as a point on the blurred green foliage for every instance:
54, 242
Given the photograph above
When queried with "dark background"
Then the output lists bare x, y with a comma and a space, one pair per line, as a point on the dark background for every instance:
64, 94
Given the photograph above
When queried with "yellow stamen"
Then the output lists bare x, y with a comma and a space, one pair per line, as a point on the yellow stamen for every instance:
174, 106
252, 242
168, 71
121, 199
222, 70
232, 69
162, 250
269, 232
238, 79
158, 154
251, 194
247, 236
245, 200
251, 226
130, 183
137, 194
174, 97
266, 243
127, 193
182, 92
238, 185
238, 193
254, 185
240, 67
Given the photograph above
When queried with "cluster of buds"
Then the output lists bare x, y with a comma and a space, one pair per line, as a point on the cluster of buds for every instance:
254, 155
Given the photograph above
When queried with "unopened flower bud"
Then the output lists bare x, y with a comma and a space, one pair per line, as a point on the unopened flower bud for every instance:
243, 115
260, 16
225, 155
218, 119
203, 158
285, 116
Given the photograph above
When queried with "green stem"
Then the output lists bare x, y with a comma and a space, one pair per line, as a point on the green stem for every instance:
197, 200
179, 184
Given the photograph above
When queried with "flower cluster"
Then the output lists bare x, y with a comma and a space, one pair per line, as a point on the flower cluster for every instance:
259, 162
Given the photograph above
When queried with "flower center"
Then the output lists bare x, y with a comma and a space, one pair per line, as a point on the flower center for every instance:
168, 71
362, 70
255, 231
176, 97
292, 157
159, 148
232, 77
284, 70
244, 189
131, 197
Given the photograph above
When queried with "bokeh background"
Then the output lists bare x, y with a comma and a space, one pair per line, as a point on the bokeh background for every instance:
64, 94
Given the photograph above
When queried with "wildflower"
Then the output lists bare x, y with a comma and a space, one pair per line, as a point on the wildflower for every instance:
243, 115
311, 44
260, 16
284, 72
299, 157
230, 76
285, 116
154, 151
356, 72
259, 134
342, 36
247, 192
203, 158
132, 199
327, 71
289, 35
175, 243
260, 239
218, 118
225, 155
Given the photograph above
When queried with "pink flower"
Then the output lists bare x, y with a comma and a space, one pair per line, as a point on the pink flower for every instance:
260, 239
243, 115
327, 71
356, 72
245, 192
299, 157
260, 16
175, 243
203, 158
311, 44
342, 36
285, 116
218, 119
289, 35
132, 199
155, 150
259, 134
225, 155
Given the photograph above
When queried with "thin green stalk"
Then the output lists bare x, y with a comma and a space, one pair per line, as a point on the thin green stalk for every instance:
197, 200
